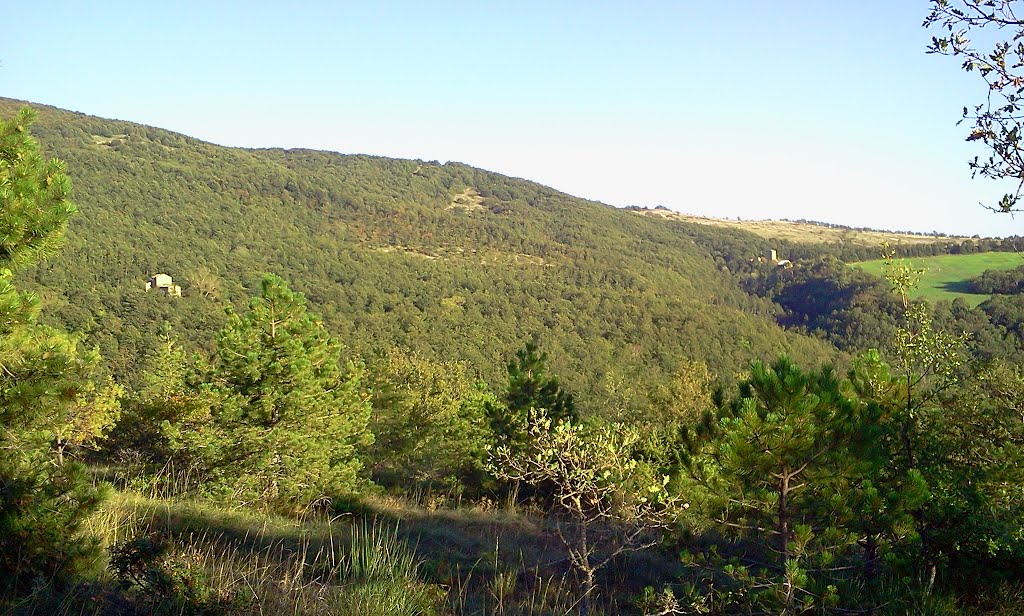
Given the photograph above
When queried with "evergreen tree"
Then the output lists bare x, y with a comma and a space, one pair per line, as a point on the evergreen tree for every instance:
529, 388
43, 498
34, 194
288, 412
780, 465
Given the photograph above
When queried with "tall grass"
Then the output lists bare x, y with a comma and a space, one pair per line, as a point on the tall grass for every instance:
378, 576
215, 561
400, 557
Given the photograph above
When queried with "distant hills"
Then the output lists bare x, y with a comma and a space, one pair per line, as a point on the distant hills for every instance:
803, 231
448, 261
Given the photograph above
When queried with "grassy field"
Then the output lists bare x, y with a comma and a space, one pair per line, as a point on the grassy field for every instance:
944, 275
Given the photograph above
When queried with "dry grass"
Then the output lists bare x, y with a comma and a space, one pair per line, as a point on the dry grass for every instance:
423, 553
110, 141
416, 555
469, 200
805, 233
242, 562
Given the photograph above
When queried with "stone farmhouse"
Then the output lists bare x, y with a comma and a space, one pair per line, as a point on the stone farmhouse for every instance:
164, 284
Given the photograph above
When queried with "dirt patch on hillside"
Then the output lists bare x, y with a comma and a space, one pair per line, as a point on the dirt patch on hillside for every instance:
110, 141
469, 200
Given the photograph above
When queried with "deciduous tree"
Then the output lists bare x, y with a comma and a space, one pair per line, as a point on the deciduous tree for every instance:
603, 502
987, 37
428, 421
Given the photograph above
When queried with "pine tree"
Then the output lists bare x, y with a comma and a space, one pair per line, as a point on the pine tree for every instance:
780, 465
43, 498
530, 387
34, 195
291, 413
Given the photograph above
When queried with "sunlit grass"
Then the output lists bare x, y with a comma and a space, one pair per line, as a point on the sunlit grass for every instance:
248, 562
945, 275
398, 557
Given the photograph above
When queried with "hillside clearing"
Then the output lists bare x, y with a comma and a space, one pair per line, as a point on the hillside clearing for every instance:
945, 276
469, 200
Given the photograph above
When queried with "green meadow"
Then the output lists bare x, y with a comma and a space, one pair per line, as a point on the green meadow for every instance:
945, 276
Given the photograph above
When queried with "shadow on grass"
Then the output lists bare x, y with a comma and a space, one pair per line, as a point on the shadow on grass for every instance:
446, 541
489, 544
469, 550
958, 286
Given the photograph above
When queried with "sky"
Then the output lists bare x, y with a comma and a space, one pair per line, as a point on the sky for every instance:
799, 109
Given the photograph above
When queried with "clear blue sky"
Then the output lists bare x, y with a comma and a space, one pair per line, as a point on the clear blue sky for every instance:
798, 108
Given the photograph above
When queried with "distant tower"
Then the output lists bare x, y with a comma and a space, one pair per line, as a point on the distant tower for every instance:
772, 256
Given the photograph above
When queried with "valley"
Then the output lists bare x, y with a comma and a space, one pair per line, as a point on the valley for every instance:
243, 381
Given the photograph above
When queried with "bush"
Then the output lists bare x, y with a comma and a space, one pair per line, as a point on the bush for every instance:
167, 581
41, 512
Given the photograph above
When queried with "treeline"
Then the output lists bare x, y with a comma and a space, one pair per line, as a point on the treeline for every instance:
857, 311
832, 225
1004, 282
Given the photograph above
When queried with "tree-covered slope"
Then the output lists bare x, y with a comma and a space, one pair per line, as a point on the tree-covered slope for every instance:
450, 261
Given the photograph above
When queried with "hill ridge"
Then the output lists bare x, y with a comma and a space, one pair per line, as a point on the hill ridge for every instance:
618, 295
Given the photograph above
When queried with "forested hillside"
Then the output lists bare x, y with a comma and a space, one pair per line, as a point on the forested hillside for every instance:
449, 261
488, 398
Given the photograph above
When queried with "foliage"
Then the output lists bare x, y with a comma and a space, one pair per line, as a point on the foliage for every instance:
147, 443
43, 498
782, 466
998, 59
681, 399
93, 415
974, 464
960, 443
35, 194
530, 388
991, 281
428, 422
955, 427
852, 309
920, 352
604, 502
287, 414
380, 255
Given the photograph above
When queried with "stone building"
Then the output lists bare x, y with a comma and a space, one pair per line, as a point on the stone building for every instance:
164, 284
